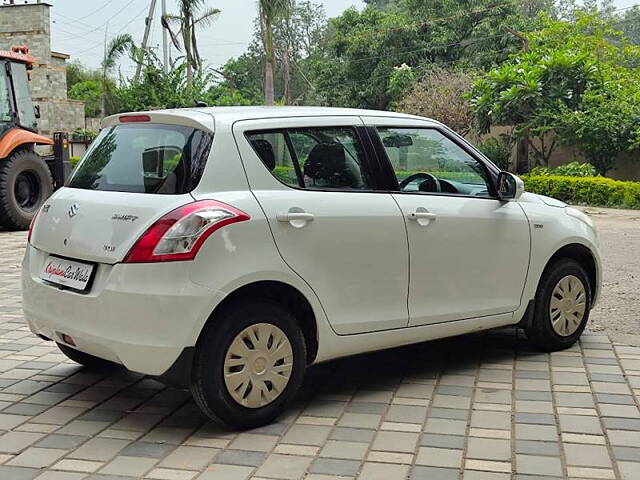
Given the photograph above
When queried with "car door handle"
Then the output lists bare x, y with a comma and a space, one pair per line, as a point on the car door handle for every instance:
423, 217
295, 219
295, 216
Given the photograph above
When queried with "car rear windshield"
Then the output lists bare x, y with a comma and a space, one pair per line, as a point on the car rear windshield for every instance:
144, 158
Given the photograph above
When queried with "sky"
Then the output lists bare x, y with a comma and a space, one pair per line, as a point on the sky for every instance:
78, 26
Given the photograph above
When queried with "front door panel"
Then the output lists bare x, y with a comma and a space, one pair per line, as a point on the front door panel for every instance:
469, 251
469, 256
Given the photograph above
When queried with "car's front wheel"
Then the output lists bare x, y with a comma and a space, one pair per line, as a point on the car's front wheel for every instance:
249, 362
562, 306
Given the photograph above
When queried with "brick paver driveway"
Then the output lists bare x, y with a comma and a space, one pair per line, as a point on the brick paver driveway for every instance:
475, 407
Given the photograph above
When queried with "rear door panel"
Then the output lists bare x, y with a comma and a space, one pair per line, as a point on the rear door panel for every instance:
353, 253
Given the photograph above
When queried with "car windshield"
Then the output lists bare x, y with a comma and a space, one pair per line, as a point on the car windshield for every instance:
144, 158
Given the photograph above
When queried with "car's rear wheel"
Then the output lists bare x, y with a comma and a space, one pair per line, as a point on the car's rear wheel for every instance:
25, 184
562, 306
249, 362
87, 360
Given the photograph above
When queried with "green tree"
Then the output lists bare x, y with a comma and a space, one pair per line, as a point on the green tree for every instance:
118, 45
606, 125
296, 38
363, 48
629, 24
536, 88
90, 92
401, 81
193, 14
270, 11
380, 3
77, 72
157, 89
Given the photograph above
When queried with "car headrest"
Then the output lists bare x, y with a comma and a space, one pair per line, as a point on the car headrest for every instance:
327, 162
264, 149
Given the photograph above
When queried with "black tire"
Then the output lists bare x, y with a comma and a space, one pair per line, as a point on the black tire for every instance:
25, 184
207, 383
87, 360
540, 331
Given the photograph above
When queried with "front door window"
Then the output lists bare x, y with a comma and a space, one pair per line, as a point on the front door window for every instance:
425, 160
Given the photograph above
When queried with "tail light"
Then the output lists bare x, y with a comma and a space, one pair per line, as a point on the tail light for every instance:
180, 233
31, 224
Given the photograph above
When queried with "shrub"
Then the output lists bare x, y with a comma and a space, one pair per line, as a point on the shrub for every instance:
576, 169
595, 191
498, 150
573, 169
74, 161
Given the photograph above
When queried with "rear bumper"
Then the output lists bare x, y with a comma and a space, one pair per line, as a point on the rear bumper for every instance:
141, 315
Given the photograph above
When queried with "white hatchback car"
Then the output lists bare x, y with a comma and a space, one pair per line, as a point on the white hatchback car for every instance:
226, 249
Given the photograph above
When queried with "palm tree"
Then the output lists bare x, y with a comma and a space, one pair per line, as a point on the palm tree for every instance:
270, 12
117, 46
193, 13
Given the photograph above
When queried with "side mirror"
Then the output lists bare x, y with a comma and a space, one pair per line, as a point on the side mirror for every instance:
510, 186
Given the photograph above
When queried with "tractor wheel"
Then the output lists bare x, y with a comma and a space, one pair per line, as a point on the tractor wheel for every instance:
25, 183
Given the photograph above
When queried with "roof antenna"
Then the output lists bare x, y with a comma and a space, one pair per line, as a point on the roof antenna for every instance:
200, 103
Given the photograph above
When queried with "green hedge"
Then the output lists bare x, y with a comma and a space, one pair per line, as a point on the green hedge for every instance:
595, 191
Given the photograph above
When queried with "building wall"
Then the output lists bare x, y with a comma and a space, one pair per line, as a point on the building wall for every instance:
29, 24
626, 167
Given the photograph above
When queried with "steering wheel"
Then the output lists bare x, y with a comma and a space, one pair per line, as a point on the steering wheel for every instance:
430, 184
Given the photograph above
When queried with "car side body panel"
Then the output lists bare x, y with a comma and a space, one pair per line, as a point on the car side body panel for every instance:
552, 229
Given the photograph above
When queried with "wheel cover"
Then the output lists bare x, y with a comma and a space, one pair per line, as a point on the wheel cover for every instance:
568, 305
26, 190
258, 365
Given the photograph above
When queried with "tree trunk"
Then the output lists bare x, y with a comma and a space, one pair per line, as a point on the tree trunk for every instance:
270, 60
522, 153
268, 82
287, 77
186, 40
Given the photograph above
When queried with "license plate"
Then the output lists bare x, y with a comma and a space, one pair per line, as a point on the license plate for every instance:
68, 273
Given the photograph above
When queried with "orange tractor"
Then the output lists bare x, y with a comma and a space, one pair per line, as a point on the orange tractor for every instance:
26, 178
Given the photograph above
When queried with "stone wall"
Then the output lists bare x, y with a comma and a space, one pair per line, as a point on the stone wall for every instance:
60, 115
29, 24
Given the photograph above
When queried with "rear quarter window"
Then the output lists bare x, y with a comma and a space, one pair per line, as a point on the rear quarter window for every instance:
144, 158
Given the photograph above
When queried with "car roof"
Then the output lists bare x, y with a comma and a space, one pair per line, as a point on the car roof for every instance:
233, 114
245, 113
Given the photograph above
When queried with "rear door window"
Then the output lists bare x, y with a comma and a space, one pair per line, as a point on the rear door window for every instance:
144, 158
319, 158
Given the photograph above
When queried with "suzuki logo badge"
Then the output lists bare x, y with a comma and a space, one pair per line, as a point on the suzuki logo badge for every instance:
73, 209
